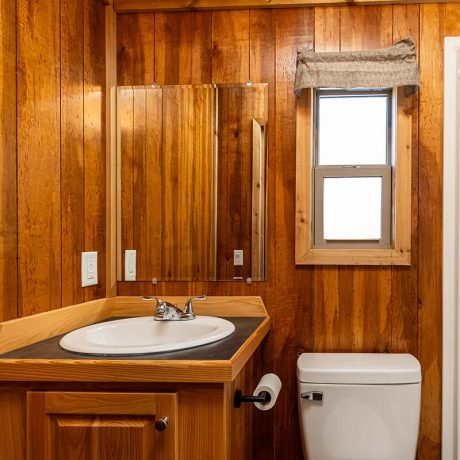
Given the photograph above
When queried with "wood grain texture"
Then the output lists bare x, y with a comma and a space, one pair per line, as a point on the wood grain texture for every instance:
31, 329
39, 207
206, 409
8, 163
188, 244
376, 309
183, 48
111, 149
72, 147
214, 305
432, 19
404, 279
364, 28
123, 6
292, 283
135, 55
12, 435
262, 69
242, 424
148, 166
230, 46
46, 133
100, 426
94, 140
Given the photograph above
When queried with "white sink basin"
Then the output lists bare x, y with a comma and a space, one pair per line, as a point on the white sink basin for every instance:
145, 335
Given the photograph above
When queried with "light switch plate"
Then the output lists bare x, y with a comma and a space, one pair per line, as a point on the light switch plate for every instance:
238, 257
88, 268
130, 265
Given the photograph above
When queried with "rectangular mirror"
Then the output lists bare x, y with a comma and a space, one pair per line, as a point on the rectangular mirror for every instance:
191, 166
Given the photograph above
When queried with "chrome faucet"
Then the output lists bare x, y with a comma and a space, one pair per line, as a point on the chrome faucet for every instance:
166, 311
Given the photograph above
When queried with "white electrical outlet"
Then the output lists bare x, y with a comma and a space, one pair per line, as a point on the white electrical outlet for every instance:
130, 265
88, 268
238, 257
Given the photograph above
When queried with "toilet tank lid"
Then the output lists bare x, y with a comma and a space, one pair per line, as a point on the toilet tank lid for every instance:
358, 368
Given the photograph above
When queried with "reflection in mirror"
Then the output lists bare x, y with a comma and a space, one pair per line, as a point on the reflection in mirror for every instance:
192, 182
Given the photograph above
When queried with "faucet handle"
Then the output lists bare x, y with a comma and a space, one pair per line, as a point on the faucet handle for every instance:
161, 304
149, 298
188, 310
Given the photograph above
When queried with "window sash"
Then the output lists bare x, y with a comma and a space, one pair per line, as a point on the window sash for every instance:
387, 92
322, 172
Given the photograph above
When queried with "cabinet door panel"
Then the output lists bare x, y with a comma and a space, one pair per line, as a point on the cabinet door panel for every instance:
100, 426
104, 438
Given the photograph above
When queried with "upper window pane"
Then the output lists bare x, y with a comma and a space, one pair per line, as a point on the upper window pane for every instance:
352, 129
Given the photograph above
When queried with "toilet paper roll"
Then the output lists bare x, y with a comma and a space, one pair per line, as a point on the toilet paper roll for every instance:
272, 384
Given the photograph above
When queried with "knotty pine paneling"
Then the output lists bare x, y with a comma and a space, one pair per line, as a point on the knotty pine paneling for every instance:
52, 152
379, 309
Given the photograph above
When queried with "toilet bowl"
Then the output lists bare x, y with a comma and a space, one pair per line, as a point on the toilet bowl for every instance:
359, 406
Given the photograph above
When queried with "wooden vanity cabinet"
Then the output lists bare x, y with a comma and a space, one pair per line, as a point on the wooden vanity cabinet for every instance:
116, 421
60, 407
101, 425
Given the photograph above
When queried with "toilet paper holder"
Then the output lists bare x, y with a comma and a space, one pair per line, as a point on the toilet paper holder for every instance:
262, 397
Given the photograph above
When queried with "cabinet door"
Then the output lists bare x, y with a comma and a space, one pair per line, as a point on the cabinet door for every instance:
100, 426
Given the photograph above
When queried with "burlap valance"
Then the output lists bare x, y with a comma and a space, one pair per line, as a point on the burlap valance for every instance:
379, 68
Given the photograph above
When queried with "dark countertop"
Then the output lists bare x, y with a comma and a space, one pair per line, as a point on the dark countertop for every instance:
221, 350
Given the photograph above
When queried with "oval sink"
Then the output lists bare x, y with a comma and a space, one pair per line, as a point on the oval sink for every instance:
145, 335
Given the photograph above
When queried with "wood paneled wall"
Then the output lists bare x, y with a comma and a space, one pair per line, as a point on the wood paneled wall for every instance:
52, 152
372, 309
167, 170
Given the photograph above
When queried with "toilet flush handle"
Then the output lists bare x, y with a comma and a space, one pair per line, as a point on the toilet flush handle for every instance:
312, 395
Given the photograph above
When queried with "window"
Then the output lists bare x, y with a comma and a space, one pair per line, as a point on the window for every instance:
352, 143
353, 177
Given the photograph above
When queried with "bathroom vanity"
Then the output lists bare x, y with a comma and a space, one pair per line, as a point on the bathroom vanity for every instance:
56, 404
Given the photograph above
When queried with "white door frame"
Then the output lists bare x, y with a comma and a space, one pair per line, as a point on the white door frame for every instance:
451, 252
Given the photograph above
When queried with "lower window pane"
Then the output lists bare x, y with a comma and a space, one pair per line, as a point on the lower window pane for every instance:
352, 208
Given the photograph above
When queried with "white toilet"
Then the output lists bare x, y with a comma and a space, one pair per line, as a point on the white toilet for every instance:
359, 406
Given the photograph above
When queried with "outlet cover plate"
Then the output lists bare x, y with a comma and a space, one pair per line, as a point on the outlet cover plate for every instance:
88, 268
130, 265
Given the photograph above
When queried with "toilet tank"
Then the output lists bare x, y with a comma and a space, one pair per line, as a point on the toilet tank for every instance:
359, 406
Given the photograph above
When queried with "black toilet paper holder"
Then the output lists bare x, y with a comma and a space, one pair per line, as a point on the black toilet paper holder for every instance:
262, 397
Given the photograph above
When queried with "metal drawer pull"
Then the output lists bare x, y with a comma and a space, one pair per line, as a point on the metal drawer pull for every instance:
312, 395
161, 424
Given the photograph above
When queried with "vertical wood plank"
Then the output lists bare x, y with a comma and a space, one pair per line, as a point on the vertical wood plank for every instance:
94, 139
8, 157
72, 174
325, 280
135, 49
188, 171
364, 28
432, 19
293, 313
404, 292
111, 149
39, 207
125, 102
147, 214
230, 46
183, 48
13, 432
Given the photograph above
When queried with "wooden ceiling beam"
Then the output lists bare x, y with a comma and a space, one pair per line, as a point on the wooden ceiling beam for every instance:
133, 6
